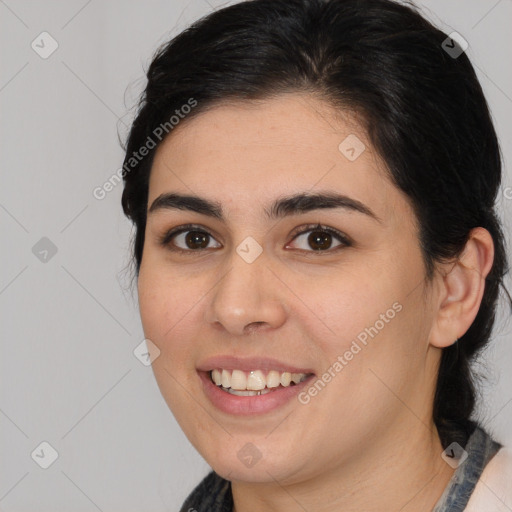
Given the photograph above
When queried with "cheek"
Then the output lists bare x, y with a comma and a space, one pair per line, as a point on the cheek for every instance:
166, 307
168, 315
371, 319
341, 307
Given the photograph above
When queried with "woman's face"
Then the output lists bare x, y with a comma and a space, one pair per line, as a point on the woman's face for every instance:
263, 290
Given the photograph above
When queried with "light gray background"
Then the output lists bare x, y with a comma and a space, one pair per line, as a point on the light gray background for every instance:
69, 326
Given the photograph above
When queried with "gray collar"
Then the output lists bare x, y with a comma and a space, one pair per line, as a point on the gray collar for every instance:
480, 449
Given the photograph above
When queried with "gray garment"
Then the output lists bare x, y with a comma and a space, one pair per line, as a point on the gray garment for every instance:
481, 449
213, 494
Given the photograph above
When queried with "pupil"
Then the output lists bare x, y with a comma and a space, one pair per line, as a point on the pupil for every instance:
194, 237
316, 238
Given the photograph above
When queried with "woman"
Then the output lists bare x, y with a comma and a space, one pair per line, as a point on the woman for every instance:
318, 257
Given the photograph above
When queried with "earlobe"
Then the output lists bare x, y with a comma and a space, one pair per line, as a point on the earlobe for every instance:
461, 289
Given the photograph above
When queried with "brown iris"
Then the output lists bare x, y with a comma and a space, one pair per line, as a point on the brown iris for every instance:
319, 240
196, 237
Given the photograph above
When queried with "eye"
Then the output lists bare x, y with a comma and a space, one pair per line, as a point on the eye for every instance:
191, 238
321, 237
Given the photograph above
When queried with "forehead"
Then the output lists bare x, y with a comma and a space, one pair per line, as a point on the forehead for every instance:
246, 153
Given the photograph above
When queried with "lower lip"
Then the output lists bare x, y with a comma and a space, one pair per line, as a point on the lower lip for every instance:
248, 405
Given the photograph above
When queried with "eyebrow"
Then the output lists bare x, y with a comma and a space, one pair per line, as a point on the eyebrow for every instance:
282, 207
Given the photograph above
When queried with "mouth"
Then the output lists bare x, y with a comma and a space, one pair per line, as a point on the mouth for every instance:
255, 382
243, 386
246, 392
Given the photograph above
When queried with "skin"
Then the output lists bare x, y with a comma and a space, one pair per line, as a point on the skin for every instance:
367, 441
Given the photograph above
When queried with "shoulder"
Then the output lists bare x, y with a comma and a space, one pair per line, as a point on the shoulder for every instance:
493, 491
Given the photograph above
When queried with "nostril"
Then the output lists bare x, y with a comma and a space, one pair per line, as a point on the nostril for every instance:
253, 326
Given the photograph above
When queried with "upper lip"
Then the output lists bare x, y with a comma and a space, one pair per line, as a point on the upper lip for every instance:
247, 364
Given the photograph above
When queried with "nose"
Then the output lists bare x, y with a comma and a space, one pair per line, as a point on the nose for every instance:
247, 298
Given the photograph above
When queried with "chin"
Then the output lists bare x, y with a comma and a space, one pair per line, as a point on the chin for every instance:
256, 470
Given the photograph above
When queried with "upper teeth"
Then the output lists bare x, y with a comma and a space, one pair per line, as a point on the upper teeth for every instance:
254, 380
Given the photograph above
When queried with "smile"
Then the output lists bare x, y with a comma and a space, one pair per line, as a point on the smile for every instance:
255, 382
249, 402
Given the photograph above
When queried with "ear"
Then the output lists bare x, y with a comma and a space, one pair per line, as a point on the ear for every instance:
461, 288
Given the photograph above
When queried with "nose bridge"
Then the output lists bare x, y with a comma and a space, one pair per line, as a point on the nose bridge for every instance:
243, 296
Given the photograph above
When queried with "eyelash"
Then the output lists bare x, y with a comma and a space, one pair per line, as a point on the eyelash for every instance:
168, 236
